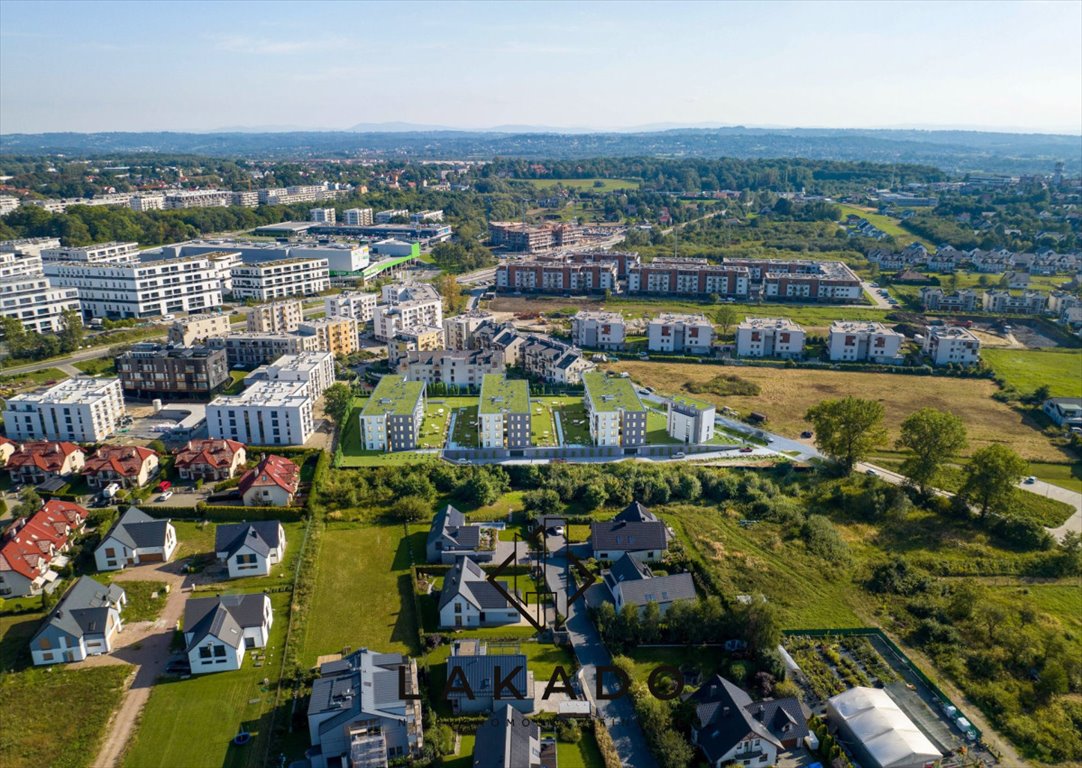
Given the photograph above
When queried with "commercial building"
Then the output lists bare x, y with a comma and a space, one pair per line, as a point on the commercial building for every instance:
102, 253
148, 370
341, 258
539, 276
357, 217
854, 341
322, 215
198, 328
316, 369
140, 290
276, 317
337, 335
769, 337
462, 369
391, 419
680, 334
80, 410
417, 338
545, 358
690, 420
880, 732
459, 332
407, 305
950, 345
357, 305
689, 277
598, 330
427, 233
503, 412
266, 413
247, 350
515, 236
271, 280
614, 411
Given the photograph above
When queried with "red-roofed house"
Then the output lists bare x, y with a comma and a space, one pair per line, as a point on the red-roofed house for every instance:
131, 466
272, 483
7, 447
32, 546
210, 459
36, 462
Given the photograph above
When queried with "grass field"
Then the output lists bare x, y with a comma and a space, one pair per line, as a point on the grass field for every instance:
1067, 476
466, 426
87, 697
788, 393
15, 632
33, 379
209, 710
1061, 600
1028, 370
657, 429
587, 185
573, 421
141, 605
888, 224
97, 366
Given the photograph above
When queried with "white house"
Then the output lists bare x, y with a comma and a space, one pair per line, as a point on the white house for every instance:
1064, 411
469, 599
273, 482
250, 549
949, 344
219, 630
769, 337
680, 333
690, 420
82, 624
136, 538
855, 341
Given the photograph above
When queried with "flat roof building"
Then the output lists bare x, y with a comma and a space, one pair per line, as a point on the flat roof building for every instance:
276, 317
100, 253
266, 413
79, 410
598, 330
680, 334
503, 412
951, 345
690, 420
316, 369
198, 328
149, 370
855, 341
271, 280
614, 411
391, 419
769, 337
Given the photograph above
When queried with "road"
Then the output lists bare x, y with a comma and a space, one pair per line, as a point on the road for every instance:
873, 293
60, 362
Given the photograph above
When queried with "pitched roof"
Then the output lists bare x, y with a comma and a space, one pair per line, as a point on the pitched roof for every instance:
782, 717
211, 452
74, 514
467, 579
224, 617
260, 535
83, 610
138, 530
364, 682
271, 471
617, 536
723, 718
636, 513
659, 589
481, 670
450, 525
125, 460
504, 741
44, 455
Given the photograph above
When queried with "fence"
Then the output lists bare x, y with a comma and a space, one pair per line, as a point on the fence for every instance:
582, 452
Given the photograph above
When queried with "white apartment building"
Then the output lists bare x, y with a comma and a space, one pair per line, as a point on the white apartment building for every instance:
140, 289
276, 317
598, 330
147, 201
102, 253
316, 369
80, 410
769, 337
224, 262
357, 217
198, 198
29, 246
949, 344
679, 334
385, 217
323, 215
456, 368
407, 305
266, 413
8, 203
278, 279
854, 341
198, 328
357, 305
613, 408
28, 296
690, 421
459, 332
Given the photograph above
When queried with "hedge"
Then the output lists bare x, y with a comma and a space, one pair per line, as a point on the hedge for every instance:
226, 514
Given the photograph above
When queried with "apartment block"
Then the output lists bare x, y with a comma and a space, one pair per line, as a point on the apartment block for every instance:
556, 277
102, 253
322, 215
198, 198
947, 345
801, 280
1007, 303
550, 360
147, 201
357, 217
769, 337
680, 334
250, 349
460, 331
516, 236
391, 419
624, 260
276, 317
690, 421
416, 338
141, 289
614, 411
935, 299
337, 335
195, 329
388, 216
598, 330
316, 369
854, 341
406, 305
503, 412
247, 198
149, 370
279, 279
357, 305
266, 413
8, 203
28, 296
454, 368
689, 277
80, 410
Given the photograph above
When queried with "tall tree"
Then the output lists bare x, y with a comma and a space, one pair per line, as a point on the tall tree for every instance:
725, 317
73, 333
991, 477
847, 429
932, 436
336, 401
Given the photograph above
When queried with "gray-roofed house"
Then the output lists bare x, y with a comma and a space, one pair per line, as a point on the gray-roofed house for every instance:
509, 740
636, 531
632, 583
495, 677
1064, 411
451, 537
219, 630
468, 599
136, 538
356, 716
250, 549
730, 728
82, 624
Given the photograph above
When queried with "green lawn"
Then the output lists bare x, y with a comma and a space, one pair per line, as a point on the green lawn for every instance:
98, 366
192, 722
706, 661
236, 384
466, 426
576, 427
141, 605
808, 315
34, 379
464, 757
657, 429
588, 185
888, 224
71, 739
1027, 370
1067, 476
434, 426
15, 633
585, 754
194, 539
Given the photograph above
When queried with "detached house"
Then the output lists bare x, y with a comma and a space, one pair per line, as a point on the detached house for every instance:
633, 583
471, 666
210, 459
130, 466
250, 549
273, 482
136, 538
636, 531
7, 447
32, 546
509, 740
36, 462
451, 537
219, 630
468, 599
82, 624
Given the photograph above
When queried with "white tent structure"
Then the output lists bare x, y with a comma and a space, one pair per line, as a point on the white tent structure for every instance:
871, 719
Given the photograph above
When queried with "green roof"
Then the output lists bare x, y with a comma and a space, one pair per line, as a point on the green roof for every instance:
498, 394
611, 393
702, 405
394, 396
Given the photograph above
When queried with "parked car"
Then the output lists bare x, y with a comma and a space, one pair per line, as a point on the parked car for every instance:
1031, 480
871, 472
806, 435
166, 496
746, 449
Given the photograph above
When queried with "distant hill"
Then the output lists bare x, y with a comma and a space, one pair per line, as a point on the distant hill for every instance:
953, 151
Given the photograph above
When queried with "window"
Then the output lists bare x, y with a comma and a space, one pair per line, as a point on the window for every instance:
219, 651
205, 652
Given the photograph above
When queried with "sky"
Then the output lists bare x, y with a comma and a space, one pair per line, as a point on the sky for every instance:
193, 66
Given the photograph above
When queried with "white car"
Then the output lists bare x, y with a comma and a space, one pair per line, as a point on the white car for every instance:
871, 472
166, 496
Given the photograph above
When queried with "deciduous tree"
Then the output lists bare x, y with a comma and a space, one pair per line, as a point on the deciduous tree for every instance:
991, 477
933, 437
847, 429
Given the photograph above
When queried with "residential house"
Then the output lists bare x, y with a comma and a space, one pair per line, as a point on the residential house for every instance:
469, 599
129, 466
636, 531
451, 537
858, 341
250, 549
935, 299
82, 624
135, 539
947, 345
509, 740
32, 546
1064, 411
210, 459
553, 360
598, 330
34, 463
365, 710
614, 411
769, 337
689, 420
218, 631
631, 582
494, 679
273, 482
680, 334
7, 447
